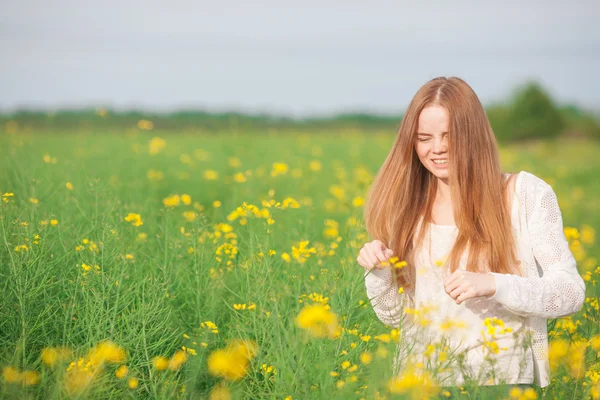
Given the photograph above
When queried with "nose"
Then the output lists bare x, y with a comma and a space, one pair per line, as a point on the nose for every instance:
440, 145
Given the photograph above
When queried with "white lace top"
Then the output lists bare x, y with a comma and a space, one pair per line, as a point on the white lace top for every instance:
551, 288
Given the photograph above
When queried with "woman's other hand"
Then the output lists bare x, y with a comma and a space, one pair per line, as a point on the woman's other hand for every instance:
462, 285
374, 255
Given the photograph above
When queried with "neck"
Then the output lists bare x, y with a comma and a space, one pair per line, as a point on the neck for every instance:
443, 194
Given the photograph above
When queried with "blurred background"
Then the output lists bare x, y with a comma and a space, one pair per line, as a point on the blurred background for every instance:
268, 64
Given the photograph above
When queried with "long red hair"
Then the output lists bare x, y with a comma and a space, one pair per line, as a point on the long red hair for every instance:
403, 191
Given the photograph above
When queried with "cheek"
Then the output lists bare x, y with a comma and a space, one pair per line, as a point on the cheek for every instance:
421, 150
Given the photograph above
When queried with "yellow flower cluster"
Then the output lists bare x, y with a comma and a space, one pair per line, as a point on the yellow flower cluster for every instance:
421, 314
174, 363
175, 199
319, 321
135, 219
6, 197
52, 356
279, 169
414, 383
21, 247
190, 216
331, 230
495, 325
571, 355
395, 262
232, 362
520, 394
156, 145
300, 252
288, 202
315, 298
49, 159
210, 326
245, 306
87, 268
268, 369
155, 175
25, 378
82, 373
89, 244
249, 210
145, 125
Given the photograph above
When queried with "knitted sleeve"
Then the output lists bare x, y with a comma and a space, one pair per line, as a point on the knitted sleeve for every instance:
560, 291
383, 294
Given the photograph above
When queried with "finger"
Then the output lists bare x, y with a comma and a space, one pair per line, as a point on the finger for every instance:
364, 256
377, 244
380, 255
449, 287
363, 263
359, 261
463, 296
370, 256
456, 292
453, 278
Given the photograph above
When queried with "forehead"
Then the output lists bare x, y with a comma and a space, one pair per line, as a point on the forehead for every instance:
433, 119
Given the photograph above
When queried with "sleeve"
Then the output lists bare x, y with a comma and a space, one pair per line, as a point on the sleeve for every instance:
560, 291
383, 294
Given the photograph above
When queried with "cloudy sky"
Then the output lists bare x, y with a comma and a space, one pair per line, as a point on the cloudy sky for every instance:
295, 58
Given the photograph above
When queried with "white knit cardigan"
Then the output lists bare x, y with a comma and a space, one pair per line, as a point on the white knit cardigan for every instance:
551, 287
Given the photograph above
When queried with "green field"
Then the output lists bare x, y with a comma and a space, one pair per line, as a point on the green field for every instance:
203, 270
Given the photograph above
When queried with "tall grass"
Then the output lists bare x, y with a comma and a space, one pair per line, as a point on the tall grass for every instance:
74, 272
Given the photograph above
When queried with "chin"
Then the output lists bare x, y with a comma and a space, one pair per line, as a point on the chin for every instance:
439, 174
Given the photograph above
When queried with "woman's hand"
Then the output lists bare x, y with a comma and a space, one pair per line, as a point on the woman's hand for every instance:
373, 254
462, 285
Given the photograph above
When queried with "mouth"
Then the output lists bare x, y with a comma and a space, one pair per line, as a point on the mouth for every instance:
440, 161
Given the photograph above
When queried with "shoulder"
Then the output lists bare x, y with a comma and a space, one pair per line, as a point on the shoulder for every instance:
537, 197
530, 186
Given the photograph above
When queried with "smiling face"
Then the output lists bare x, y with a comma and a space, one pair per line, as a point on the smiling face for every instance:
431, 144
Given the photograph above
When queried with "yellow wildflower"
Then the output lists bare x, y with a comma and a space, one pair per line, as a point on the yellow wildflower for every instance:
156, 145
172, 201
220, 392
132, 383
186, 199
11, 375
318, 320
135, 219
240, 177
210, 175
160, 363
315, 165
145, 125
51, 356
366, 358
189, 216
417, 384
233, 361
106, 351
177, 360
121, 372
31, 378
279, 169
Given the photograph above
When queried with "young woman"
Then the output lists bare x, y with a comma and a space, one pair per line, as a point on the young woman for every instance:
486, 258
